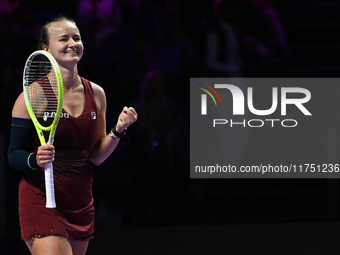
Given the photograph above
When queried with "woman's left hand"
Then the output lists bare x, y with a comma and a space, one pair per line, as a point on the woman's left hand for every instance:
126, 118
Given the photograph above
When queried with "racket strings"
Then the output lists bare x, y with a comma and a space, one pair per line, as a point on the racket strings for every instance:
43, 91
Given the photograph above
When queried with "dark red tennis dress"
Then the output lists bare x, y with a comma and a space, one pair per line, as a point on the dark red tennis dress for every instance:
73, 177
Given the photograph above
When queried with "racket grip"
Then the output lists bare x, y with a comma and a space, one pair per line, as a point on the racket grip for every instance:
49, 186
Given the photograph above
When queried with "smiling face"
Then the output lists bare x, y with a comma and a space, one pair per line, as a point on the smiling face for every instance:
65, 43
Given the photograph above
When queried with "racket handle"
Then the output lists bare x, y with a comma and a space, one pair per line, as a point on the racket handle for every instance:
49, 185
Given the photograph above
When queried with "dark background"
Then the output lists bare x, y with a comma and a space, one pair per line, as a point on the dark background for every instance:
143, 54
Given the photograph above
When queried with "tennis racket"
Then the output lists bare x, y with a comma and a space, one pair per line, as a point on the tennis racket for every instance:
44, 93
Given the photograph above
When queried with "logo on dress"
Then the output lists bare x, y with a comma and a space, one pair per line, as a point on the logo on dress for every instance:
93, 115
52, 115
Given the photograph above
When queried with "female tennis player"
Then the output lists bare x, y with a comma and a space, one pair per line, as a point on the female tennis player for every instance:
81, 139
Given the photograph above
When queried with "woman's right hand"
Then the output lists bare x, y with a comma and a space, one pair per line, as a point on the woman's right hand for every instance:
45, 155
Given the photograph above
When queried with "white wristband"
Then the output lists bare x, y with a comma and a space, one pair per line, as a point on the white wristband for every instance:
28, 161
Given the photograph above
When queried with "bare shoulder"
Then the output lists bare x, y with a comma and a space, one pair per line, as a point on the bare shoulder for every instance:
97, 90
99, 96
19, 108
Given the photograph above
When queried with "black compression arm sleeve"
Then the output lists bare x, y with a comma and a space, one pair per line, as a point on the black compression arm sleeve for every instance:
21, 145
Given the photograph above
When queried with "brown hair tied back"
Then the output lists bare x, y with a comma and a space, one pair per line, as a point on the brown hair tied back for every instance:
44, 37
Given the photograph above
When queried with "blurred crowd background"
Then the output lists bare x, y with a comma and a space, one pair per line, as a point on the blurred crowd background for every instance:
143, 52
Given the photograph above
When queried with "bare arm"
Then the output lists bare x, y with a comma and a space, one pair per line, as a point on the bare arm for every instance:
19, 109
103, 144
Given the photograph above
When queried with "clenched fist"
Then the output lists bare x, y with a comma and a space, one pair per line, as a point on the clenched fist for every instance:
126, 118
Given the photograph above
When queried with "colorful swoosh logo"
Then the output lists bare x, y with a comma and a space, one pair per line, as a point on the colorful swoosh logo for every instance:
210, 94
